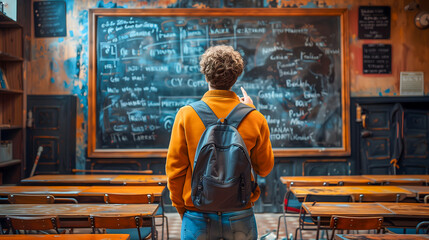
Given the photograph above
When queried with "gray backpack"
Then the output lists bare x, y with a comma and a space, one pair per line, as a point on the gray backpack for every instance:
221, 178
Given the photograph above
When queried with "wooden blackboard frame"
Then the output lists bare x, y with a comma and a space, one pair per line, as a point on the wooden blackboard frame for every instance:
341, 14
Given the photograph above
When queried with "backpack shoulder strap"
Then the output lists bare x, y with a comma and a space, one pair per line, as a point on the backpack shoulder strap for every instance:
204, 112
237, 114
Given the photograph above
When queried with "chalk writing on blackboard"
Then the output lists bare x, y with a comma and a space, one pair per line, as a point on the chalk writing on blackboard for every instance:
377, 58
148, 68
50, 19
374, 22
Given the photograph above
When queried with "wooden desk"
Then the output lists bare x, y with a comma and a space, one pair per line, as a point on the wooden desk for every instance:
66, 237
56, 191
95, 179
407, 214
322, 212
324, 180
381, 237
407, 209
84, 194
77, 215
395, 214
76, 210
139, 180
399, 179
96, 193
69, 179
373, 193
347, 209
420, 191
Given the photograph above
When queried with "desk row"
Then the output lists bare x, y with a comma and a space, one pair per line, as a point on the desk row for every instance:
106, 179
368, 193
355, 180
96, 179
84, 194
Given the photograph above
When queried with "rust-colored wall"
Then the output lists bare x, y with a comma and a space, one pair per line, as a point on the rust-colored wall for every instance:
60, 65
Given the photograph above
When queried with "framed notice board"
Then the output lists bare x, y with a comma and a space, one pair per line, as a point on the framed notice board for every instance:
144, 66
374, 22
377, 58
50, 19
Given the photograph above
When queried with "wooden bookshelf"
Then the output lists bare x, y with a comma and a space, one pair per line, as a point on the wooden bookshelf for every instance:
12, 99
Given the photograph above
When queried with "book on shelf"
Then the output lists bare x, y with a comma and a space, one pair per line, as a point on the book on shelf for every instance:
3, 80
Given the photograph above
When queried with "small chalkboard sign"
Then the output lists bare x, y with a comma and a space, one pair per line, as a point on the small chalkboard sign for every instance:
50, 19
374, 22
377, 58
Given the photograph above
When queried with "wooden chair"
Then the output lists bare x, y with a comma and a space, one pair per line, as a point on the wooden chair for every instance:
17, 223
425, 199
37, 198
355, 223
306, 223
138, 199
119, 222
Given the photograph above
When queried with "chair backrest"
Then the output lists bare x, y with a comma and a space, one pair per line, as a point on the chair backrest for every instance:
65, 200
308, 184
424, 226
399, 182
291, 203
352, 183
30, 198
328, 198
116, 222
355, 223
128, 198
381, 197
425, 199
33, 223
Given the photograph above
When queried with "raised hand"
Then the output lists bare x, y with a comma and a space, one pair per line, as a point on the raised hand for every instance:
245, 99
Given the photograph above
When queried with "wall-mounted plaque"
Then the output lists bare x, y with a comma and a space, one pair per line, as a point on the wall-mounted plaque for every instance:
374, 22
412, 84
50, 19
377, 58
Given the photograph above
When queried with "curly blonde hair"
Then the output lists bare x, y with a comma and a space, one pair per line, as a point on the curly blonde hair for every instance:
221, 65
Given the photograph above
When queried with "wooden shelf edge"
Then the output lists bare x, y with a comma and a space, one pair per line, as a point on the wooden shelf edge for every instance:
10, 91
10, 163
6, 21
4, 56
10, 127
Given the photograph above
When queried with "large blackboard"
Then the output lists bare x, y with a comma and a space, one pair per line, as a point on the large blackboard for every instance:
144, 66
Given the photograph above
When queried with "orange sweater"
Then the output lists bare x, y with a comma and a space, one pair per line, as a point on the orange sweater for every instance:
186, 133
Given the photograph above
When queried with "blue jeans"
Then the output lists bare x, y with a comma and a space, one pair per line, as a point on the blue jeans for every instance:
236, 225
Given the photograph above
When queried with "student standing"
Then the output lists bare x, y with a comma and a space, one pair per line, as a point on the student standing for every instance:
221, 65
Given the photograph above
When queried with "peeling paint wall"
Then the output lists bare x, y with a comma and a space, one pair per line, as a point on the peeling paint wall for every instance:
60, 65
